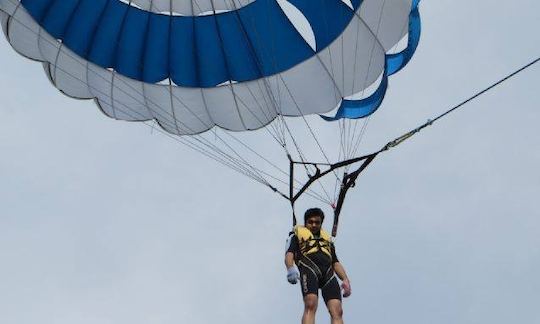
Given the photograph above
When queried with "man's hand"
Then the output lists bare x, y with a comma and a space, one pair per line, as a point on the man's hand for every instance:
293, 275
346, 285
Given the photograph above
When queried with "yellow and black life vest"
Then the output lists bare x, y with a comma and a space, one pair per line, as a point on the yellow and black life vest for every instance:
309, 244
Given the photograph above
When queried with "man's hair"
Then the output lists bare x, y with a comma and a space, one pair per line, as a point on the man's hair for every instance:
313, 212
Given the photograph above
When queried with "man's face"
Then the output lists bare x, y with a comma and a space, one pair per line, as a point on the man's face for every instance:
314, 224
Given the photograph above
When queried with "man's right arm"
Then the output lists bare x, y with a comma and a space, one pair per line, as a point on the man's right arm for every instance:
292, 249
292, 272
289, 259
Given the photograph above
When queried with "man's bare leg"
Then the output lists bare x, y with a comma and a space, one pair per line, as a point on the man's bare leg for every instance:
310, 307
335, 310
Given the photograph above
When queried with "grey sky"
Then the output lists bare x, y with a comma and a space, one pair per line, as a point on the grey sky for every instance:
104, 222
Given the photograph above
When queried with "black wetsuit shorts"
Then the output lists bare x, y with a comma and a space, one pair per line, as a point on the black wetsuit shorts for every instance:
312, 279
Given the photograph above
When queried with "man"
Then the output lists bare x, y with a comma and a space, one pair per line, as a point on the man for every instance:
312, 250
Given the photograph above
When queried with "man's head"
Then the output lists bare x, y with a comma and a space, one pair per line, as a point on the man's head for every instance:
313, 219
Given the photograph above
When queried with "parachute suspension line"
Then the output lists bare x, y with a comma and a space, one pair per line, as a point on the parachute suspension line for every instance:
255, 152
338, 93
211, 155
315, 195
199, 149
355, 68
361, 135
194, 2
295, 143
171, 103
308, 126
252, 171
348, 125
351, 149
353, 81
343, 64
232, 5
218, 150
236, 100
357, 142
261, 122
255, 173
227, 67
331, 72
281, 123
303, 159
188, 141
341, 123
308, 172
255, 170
277, 104
231, 161
277, 132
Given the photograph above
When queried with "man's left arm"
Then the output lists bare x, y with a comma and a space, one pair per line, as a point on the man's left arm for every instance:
342, 275
340, 271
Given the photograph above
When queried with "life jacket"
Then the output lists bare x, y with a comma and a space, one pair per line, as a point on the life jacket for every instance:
309, 244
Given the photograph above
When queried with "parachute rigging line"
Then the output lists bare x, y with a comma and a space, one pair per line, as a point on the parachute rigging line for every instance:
349, 179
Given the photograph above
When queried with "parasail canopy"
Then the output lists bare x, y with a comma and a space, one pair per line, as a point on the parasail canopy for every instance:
239, 65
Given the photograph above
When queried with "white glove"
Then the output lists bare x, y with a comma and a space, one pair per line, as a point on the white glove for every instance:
293, 275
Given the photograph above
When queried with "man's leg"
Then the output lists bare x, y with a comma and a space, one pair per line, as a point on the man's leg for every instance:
310, 308
336, 311
331, 293
309, 283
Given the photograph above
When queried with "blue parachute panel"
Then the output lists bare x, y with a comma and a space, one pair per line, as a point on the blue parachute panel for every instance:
328, 18
201, 51
355, 109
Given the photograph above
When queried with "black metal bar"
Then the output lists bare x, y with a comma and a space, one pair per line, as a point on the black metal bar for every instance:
291, 188
318, 174
349, 180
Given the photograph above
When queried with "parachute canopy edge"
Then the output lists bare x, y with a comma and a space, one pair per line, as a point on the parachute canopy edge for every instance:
356, 109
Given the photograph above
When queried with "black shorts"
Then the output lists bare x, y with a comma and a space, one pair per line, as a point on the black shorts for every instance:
312, 279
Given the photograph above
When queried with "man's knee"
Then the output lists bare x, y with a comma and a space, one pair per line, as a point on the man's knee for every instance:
335, 310
310, 303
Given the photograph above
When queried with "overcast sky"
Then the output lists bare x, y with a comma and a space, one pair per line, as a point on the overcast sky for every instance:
104, 221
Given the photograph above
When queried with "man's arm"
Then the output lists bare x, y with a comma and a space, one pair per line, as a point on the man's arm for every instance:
342, 274
289, 259
292, 273
290, 250
340, 271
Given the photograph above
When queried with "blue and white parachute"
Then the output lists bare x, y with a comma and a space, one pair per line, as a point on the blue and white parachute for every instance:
191, 65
